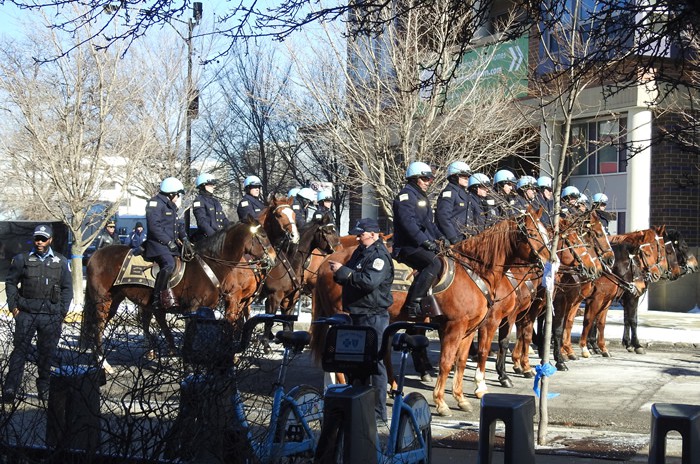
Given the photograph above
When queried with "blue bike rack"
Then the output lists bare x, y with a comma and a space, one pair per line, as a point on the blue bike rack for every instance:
684, 419
517, 413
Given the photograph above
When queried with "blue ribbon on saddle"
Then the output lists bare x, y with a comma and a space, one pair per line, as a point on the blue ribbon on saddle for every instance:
544, 369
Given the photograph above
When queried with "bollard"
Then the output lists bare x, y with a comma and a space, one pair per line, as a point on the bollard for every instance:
684, 419
517, 412
73, 414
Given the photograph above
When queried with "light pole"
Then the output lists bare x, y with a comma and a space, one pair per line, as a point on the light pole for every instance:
192, 93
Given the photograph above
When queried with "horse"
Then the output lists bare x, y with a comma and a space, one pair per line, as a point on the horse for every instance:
517, 293
483, 259
206, 281
566, 302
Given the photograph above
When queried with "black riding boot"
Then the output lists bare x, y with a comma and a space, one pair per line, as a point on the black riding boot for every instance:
159, 288
417, 292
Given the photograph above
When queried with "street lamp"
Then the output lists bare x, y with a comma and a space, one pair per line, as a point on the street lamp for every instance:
192, 93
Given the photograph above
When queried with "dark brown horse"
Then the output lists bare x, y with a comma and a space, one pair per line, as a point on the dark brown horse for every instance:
516, 293
483, 258
207, 281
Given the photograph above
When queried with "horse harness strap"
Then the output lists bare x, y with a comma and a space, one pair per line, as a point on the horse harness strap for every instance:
480, 283
519, 288
208, 271
290, 270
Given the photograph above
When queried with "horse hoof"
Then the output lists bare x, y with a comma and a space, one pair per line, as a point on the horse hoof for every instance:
465, 406
444, 411
479, 393
606, 354
528, 374
517, 369
506, 383
585, 353
640, 350
572, 357
561, 366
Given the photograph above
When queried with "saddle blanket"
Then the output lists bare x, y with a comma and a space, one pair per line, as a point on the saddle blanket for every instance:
135, 270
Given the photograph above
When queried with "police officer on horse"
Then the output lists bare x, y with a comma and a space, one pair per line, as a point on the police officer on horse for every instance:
207, 208
252, 204
453, 201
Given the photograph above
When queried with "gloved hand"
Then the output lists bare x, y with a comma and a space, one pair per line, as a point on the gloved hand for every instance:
187, 248
430, 245
172, 246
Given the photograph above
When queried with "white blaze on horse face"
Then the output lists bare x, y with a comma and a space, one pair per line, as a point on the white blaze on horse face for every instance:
543, 233
294, 235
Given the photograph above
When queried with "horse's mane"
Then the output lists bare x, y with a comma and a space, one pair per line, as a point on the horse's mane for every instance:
635, 238
234, 233
482, 248
678, 242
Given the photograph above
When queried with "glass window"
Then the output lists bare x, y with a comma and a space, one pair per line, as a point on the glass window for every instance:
597, 147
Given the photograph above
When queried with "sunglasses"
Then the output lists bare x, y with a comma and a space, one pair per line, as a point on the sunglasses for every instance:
426, 179
38, 238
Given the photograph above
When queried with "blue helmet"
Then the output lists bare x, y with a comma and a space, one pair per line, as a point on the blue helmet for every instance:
600, 198
504, 176
570, 191
204, 179
479, 179
458, 168
583, 199
293, 192
171, 185
544, 182
324, 195
527, 182
252, 181
307, 194
418, 169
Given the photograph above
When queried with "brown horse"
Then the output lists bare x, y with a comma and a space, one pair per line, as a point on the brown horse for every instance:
206, 281
483, 258
517, 293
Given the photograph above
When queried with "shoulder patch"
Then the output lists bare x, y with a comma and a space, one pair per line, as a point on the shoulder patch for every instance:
447, 194
244, 203
378, 264
196, 204
153, 203
403, 197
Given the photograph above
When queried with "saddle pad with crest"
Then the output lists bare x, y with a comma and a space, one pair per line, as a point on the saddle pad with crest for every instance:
403, 276
137, 271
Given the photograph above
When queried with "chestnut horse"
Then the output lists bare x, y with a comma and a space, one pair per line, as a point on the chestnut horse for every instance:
484, 258
206, 281
517, 292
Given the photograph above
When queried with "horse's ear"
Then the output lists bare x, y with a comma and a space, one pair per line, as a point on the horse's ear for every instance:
537, 213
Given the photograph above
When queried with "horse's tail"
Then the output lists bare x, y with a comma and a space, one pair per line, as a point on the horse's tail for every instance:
317, 331
88, 326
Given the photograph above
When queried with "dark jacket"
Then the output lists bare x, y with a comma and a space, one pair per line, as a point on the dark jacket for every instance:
105, 239
413, 219
476, 216
37, 286
321, 211
163, 227
137, 239
301, 209
451, 212
209, 214
366, 279
250, 206
508, 206
548, 209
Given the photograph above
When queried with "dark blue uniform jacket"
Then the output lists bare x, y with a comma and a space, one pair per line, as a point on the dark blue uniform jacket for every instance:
321, 211
300, 211
366, 279
209, 214
413, 219
163, 226
451, 212
250, 206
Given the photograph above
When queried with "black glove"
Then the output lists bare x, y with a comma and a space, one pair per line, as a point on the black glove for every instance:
430, 245
172, 246
187, 248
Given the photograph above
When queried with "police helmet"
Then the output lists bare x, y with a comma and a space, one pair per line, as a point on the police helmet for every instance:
252, 181
570, 191
325, 195
418, 169
544, 182
307, 194
582, 200
293, 192
526, 182
204, 179
171, 185
600, 198
478, 179
504, 176
458, 168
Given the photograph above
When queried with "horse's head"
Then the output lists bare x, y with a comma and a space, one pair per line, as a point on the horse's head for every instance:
326, 236
257, 245
674, 267
651, 252
576, 253
534, 235
279, 220
594, 233
686, 260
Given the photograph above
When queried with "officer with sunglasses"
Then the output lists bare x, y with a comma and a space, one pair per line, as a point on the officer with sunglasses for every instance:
39, 291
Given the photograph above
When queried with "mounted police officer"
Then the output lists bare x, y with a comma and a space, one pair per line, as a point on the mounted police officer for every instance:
527, 193
252, 203
303, 199
452, 203
107, 236
324, 205
504, 186
582, 203
207, 208
600, 202
480, 214
415, 234
569, 196
166, 234
545, 199
39, 290
366, 279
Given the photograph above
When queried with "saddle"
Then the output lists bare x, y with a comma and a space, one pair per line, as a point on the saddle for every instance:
404, 275
135, 270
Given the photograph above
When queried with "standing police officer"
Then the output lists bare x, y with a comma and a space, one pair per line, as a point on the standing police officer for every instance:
415, 234
451, 211
39, 291
366, 279
252, 204
207, 208
165, 233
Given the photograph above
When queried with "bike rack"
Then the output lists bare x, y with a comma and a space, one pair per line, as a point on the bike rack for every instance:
517, 412
684, 419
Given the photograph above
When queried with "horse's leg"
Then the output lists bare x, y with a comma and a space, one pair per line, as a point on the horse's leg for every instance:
486, 331
421, 362
589, 316
150, 340
461, 359
451, 338
600, 324
558, 322
527, 335
503, 332
566, 347
167, 332
630, 304
592, 337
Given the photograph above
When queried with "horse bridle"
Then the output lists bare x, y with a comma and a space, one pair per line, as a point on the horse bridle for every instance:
645, 261
287, 233
542, 236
